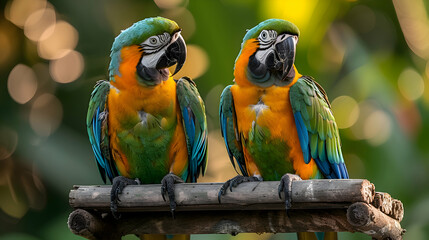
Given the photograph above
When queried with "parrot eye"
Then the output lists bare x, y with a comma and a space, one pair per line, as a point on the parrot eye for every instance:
267, 36
155, 43
264, 35
153, 40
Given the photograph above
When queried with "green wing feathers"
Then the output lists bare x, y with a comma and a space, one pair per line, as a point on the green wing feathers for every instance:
316, 127
97, 127
195, 124
228, 124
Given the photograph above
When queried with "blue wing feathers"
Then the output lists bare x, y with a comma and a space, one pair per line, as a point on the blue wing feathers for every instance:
96, 146
343, 171
303, 136
229, 131
336, 169
195, 126
97, 135
223, 123
97, 130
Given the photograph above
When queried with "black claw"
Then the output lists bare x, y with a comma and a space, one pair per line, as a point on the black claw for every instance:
119, 183
233, 183
223, 189
285, 186
168, 188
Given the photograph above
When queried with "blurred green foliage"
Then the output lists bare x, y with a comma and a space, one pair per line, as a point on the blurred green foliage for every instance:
373, 52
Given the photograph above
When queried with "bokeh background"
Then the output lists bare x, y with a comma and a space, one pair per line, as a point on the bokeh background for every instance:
370, 56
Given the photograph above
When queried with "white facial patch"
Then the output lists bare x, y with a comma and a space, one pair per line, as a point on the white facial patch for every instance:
261, 55
155, 43
266, 44
268, 41
266, 38
155, 46
151, 60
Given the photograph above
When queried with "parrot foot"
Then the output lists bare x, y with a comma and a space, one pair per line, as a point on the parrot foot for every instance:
168, 188
234, 182
286, 187
119, 183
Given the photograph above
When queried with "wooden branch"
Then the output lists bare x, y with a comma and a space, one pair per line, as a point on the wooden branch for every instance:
370, 220
366, 219
249, 196
91, 226
392, 207
317, 206
397, 210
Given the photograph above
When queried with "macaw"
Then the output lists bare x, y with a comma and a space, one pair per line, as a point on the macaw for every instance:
144, 126
277, 124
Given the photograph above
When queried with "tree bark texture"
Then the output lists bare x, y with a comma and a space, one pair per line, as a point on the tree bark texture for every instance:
254, 207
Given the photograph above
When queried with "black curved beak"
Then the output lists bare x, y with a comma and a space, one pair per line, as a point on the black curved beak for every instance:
175, 53
285, 49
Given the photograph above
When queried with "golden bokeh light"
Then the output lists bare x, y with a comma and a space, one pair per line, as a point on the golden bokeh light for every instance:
22, 83
13, 207
414, 22
346, 111
60, 42
357, 129
10, 201
17, 11
20, 188
68, 68
197, 62
8, 43
8, 142
46, 114
167, 4
411, 84
377, 128
373, 124
298, 12
184, 19
37, 23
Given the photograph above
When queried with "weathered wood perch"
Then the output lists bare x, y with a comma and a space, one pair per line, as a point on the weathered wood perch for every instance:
317, 205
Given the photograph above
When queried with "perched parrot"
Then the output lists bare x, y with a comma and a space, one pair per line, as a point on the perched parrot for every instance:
144, 126
277, 123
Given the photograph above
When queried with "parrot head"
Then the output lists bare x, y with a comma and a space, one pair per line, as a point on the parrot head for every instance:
267, 54
150, 46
